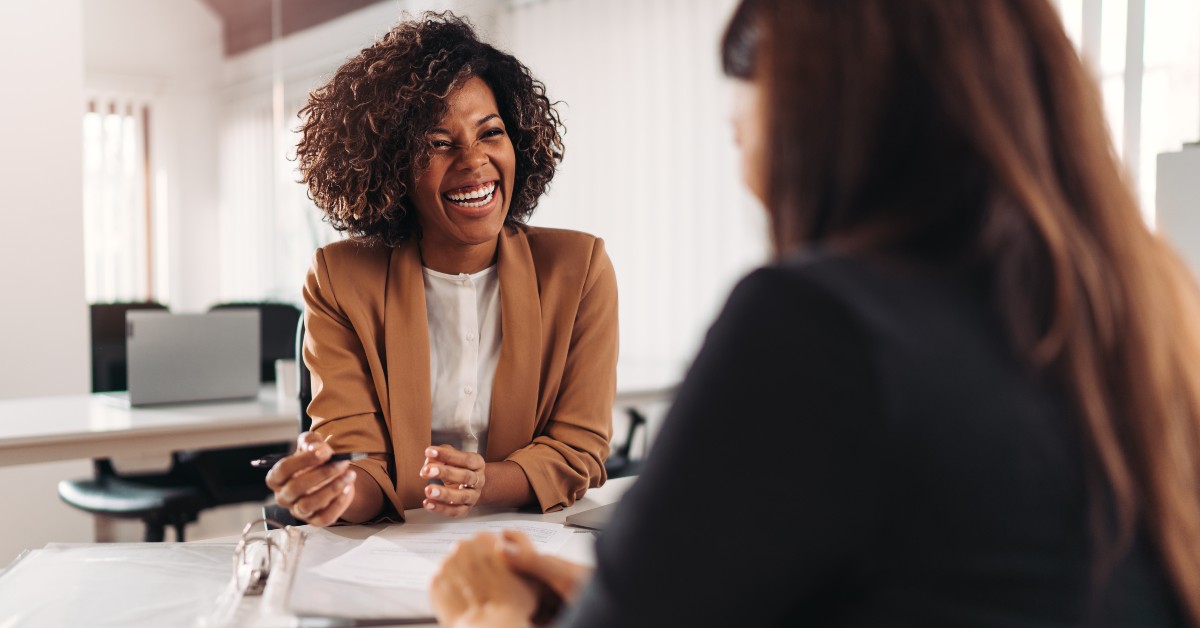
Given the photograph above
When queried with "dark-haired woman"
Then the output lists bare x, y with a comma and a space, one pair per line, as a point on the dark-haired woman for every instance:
445, 338
974, 373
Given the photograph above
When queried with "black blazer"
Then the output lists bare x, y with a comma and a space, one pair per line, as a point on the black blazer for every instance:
857, 445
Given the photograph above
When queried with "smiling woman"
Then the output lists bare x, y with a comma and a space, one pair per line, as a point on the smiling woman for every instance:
462, 197
373, 129
445, 337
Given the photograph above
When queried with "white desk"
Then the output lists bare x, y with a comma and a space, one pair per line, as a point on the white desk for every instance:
72, 427
92, 596
579, 548
45, 429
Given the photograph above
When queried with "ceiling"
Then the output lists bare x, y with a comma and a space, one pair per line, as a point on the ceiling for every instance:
247, 23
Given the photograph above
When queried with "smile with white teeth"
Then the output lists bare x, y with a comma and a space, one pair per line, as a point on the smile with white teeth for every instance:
472, 197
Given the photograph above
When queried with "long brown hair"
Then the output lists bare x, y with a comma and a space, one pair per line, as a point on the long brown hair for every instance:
971, 131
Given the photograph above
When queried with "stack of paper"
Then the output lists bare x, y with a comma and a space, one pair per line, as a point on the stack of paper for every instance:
388, 575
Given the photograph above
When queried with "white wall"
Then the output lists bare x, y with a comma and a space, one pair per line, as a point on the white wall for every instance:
650, 162
43, 321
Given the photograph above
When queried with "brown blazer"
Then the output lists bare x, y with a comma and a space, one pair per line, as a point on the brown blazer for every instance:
367, 345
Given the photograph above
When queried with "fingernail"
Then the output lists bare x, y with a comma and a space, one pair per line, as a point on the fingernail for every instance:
508, 548
433, 472
346, 490
429, 506
431, 452
436, 492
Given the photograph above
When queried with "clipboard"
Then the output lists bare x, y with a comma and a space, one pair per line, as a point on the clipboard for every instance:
272, 565
264, 565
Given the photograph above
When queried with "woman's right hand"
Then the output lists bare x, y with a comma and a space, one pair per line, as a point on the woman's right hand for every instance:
310, 489
563, 578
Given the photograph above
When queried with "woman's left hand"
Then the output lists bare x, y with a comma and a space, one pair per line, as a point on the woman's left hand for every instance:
475, 587
463, 476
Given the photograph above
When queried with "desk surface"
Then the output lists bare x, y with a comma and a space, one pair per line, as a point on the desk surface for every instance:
579, 548
71, 427
115, 585
45, 429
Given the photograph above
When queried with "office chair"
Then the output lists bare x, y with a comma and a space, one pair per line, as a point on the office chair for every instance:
620, 462
156, 498
275, 512
225, 474
196, 480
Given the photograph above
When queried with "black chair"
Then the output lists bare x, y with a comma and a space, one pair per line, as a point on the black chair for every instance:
274, 512
155, 498
304, 386
620, 461
196, 480
225, 473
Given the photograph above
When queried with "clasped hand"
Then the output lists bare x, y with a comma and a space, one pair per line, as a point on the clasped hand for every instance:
463, 478
500, 581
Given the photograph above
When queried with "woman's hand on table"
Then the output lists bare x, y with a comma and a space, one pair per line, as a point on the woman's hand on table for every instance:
310, 489
462, 476
499, 581
562, 578
475, 588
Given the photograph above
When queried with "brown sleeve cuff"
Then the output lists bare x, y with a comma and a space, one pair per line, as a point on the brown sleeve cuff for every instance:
376, 467
555, 486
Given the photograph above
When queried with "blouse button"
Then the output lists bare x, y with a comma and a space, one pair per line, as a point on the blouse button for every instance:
470, 336
467, 389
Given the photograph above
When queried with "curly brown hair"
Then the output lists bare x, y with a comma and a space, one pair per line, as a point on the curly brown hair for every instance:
363, 142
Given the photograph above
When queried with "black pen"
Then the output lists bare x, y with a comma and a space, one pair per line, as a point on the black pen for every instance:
270, 460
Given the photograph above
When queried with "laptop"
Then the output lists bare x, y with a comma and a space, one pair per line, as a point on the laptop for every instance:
179, 358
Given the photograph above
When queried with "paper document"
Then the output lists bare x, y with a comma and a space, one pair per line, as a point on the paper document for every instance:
408, 555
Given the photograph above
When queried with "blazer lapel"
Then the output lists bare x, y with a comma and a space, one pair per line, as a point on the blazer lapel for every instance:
515, 387
406, 341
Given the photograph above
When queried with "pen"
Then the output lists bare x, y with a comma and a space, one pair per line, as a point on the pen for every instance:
270, 460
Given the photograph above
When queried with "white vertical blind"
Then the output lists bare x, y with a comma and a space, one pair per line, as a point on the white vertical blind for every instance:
116, 240
650, 161
1170, 90
1146, 54
269, 227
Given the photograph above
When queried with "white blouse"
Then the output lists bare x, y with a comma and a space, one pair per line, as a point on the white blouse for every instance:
464, 346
